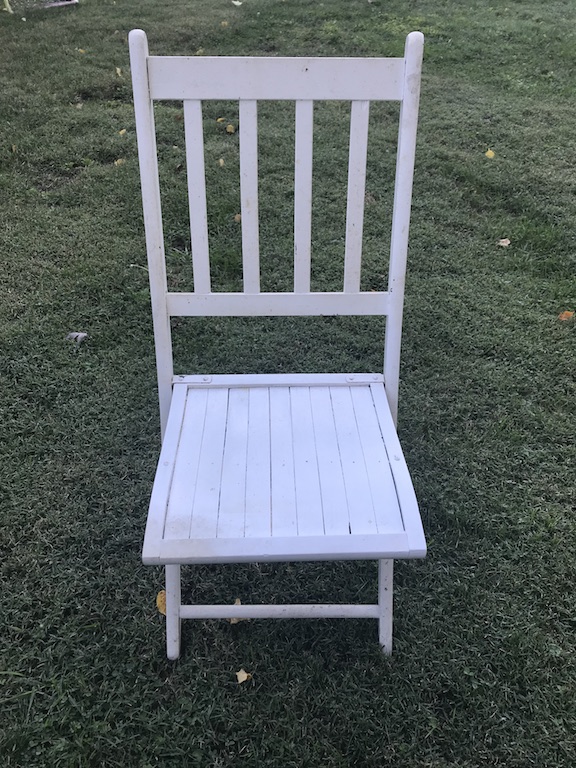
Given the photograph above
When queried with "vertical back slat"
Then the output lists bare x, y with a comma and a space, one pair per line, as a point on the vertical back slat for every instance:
401, 214
249, 194
303, 195
194, 135
147, 156
356, 191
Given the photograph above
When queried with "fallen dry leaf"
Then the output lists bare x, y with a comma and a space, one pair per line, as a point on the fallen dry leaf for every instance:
220, 119
242, 676
161, 601
224, 24
79, 105
120, 161
236, 2
122, 132
236, 620
221, 162
13, 147
566, 315
80, 50
119, 72
230, 128
238, 218
490, 154
199, 52
505, 242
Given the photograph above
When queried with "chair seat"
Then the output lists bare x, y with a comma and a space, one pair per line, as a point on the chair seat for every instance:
281, 467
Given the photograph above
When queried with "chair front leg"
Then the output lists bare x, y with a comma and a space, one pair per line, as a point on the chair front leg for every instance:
385, 600
173, 602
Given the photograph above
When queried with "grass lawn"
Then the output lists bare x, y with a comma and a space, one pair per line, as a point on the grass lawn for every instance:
484, 667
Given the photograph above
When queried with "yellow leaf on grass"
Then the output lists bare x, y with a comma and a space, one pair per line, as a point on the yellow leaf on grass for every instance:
220, 119
237, 601
13, 147
566, 315
120, 161
119, 72
224, 24
161, 601
505, 242
242, 676
80, 50
200, 52
221, 162
122, 132
230, 128
238, 218
490, 154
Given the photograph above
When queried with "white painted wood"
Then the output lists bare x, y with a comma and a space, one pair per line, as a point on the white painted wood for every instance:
207, 493
294, 611
194, 136
164, 473
249, 195
356, 481
173, 608
383, 491
283, 491
279, 78
282, 549
351, 427
184, 478
258, 502
401, 214
276, 304
303, 195
280, 379
333, 490
324, 437
402, 480
356, 193
309, 509
146, 137
286, 467
385, 604
232, 505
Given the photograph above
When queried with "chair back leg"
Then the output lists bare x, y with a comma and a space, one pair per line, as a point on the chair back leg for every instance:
173, 602
385, 599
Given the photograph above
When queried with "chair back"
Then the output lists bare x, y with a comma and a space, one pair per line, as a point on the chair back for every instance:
197, 79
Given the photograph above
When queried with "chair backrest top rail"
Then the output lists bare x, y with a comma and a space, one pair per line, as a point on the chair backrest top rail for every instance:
277, 79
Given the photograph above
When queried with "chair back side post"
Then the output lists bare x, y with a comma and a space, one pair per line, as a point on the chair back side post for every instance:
146, 137
401, 215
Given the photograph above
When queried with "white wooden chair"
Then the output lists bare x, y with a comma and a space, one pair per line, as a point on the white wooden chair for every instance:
278, 467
